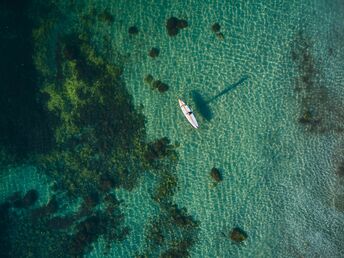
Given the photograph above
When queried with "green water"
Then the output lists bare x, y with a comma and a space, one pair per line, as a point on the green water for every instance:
279, 177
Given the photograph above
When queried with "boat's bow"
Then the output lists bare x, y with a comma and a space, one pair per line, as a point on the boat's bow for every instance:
188, 113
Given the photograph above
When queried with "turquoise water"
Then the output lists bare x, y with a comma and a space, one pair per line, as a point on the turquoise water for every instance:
279, 176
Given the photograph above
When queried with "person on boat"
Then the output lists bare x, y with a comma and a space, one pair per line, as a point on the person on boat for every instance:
190, 112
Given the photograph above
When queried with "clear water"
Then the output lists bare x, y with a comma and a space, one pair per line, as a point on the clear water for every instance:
279, 181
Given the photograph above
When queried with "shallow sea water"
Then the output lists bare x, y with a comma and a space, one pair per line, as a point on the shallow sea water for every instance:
279, 179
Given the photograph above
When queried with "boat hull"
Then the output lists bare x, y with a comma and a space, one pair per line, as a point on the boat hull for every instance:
188, 114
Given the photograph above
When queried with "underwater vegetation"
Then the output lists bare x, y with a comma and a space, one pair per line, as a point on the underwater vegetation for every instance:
162, 157
156, 84
171, 234
173, 25
180, 216
321, 110
26, 201
338, 201
133, 30
96, 145
38, 232
16, 200
340, 170
105, 16
100, 146
161, 86
216, 29
149, 79
27, 229
238, 235
99, 143
97, 123
216, 175
154, 52
167, 184
159, 149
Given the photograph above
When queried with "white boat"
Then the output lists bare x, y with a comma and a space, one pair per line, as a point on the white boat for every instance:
188, 114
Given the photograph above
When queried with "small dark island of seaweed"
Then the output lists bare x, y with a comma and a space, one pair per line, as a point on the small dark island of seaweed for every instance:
156, 84
154, 52
173, 25
160, 86
105, 16
216, 175
216, 29
238, 235
133, 30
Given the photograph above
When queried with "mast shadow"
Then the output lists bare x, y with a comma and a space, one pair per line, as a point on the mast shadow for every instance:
202, 105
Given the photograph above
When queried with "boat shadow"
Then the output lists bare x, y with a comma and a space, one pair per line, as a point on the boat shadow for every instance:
202, 105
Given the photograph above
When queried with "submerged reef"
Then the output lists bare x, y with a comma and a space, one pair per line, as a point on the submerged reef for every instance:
98, 140
28, 200
105, 16
160, 157
216, 29
173, 25
149, 79
238, 235
171, 234
321, 110
70, 234
97, 145
154, 52
160, 86
216, 175
156, 84
159, 149
338, 201
21, 226
93, 139
340, 170
133, 30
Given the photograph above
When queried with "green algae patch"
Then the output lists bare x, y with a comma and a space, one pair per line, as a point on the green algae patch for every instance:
98, 133
321, 111
99, 146
44, 232
172, 233
238, 235
98, 142
105, 16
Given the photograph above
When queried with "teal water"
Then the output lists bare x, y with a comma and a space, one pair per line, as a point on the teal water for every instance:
279, 176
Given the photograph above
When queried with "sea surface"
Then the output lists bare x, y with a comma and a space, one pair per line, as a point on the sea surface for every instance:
252, 91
